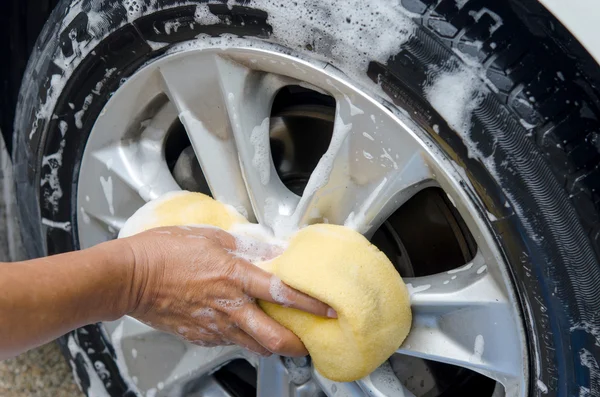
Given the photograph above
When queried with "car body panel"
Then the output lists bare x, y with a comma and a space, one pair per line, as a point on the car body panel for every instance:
582, 18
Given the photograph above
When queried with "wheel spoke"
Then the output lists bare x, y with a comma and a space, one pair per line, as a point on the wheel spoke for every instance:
464, 318
112, 223
361, 180
249, 97
138, 162
206, 386
331, 388
273, 378
194, 87
228, 125
391, 192
121, 176
130, 328
382, 383
198, 361
167, 360
141, 166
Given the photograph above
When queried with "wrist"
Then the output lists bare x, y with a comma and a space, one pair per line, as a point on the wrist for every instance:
128, 270
147, 274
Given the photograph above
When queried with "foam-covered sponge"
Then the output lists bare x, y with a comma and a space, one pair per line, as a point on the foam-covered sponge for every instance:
331, 263
179, 209
340, 267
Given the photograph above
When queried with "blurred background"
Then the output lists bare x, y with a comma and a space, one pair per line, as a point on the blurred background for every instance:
41, 372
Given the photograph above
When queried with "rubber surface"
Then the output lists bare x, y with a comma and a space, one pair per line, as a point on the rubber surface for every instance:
538, 177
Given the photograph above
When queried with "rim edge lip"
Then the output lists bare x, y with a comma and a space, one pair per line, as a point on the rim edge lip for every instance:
452, 172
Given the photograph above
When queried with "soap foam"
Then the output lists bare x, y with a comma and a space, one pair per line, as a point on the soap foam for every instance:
167, 232
299, 374
96, 386
204, 312
262, 150
107, 188
348, 33
116, 339
461, 269
588, 360
182, 330
255, 251
214, 328
54, 162
358, 221
203, 15
277, 290
256, 243
478, 349
252, 323
455, 94
66, 226
232, 304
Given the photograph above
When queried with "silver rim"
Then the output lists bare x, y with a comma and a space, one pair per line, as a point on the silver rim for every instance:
375, 162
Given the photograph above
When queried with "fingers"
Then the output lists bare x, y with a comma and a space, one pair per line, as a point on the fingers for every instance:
221, 327
241, 338
269, 333
200, 336
209, 343
255, 250
218, 329
219, 236
260, 284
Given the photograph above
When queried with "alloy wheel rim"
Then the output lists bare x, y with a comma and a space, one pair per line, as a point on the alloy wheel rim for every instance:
376, 161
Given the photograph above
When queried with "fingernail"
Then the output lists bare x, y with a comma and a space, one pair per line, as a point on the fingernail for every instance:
331, 313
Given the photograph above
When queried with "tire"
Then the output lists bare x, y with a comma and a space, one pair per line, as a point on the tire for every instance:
531, 154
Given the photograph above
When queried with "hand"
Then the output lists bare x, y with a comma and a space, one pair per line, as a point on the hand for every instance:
190, 282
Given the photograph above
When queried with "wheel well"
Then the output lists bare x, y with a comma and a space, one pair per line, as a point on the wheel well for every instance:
21, 22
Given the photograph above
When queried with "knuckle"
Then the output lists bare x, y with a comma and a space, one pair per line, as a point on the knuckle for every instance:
238, 317
224, 239
230, 272
275, 343
203, 343
240, 277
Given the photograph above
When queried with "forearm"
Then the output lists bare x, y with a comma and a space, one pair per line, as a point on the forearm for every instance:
44, 298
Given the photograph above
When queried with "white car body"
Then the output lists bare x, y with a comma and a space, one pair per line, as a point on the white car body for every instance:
582, 18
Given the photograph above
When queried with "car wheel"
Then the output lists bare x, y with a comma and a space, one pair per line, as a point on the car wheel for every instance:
455, 135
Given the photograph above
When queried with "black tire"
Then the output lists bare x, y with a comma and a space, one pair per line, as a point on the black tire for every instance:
541, 182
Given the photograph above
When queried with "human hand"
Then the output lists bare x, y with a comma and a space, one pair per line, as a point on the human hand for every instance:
190, 282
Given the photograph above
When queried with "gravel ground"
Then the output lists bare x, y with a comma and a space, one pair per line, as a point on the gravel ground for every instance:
41, 372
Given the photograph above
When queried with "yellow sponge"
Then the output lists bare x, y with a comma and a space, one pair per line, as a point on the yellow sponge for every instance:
179, 209
340, 267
